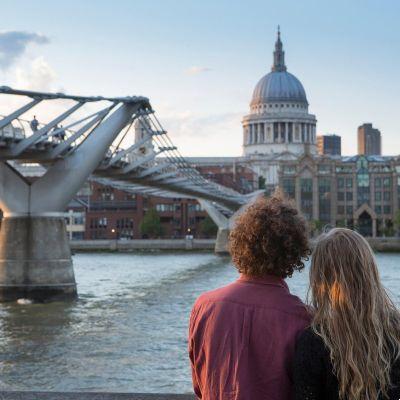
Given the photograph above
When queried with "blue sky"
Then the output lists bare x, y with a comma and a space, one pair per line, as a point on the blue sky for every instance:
198, 61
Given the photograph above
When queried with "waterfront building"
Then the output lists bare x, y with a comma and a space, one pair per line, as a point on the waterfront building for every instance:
369, 140
103, 212
361, 192
329, 144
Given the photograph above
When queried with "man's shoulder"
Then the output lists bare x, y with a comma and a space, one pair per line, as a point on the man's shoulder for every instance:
214, 295
237, 294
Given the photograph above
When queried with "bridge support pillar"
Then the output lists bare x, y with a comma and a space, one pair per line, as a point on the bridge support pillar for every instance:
221, 244
35, 259
224, 223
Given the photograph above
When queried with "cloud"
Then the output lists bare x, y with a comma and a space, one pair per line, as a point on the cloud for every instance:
203, 135
38, 75
195, 70
13, 44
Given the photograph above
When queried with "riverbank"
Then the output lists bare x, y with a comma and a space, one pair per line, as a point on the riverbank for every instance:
384, 245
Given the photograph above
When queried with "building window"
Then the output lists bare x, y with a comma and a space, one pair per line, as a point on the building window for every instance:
289, 187
289, 169
340, 196
387, 182
378, 196
378, 209
340, 183
387, 209
349, 210
378, 182
340, 210
324, 194
363, 180
306, 186
324, 169
349, 183
164, 207
349, 196
386, 196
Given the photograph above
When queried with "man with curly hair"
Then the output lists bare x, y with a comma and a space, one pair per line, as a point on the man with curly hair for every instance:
242, 336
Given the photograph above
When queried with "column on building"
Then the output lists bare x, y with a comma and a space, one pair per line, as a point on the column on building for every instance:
262, 132
279, 132
315, 198
333, 196
286, 132
298, 193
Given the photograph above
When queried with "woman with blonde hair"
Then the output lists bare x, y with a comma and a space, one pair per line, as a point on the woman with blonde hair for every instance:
351, 350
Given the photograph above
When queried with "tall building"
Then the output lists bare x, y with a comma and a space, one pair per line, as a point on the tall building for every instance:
369, 140
329, 144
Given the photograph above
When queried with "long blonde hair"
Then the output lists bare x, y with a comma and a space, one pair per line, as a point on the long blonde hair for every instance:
354, 316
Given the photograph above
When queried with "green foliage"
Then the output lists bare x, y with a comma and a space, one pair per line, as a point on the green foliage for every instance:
208, 227
261, 182
317, 225
397, 219
389, 230
341, 223
151, 224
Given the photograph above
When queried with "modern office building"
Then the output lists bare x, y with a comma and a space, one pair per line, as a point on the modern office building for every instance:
329, 145
369, 140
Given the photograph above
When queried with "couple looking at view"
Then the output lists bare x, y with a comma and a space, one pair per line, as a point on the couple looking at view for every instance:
254, 340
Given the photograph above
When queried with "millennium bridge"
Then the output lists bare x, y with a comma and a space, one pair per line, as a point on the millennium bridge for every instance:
95, 142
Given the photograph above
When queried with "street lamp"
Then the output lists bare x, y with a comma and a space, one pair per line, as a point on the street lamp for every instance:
113, 231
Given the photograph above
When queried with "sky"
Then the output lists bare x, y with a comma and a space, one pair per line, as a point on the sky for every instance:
198, 61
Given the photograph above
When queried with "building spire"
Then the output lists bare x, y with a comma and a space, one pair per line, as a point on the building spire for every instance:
279, 54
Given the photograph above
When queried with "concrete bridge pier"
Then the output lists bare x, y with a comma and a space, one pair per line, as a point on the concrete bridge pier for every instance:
222, 242
35, 259
225, 224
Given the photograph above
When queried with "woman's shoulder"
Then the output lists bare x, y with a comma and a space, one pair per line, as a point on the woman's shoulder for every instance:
308, 340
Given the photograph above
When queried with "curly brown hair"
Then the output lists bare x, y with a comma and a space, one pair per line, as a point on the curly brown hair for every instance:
269, 238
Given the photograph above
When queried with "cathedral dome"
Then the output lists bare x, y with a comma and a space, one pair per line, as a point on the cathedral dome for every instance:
279, 85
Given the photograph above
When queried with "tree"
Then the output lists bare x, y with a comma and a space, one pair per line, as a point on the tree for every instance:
208, 227
261, 182
388, 230
341, 223
151, 224
316, 225
397, 220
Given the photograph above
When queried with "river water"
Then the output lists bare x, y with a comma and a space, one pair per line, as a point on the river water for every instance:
127, 332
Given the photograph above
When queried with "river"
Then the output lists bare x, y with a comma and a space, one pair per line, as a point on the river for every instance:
127, 332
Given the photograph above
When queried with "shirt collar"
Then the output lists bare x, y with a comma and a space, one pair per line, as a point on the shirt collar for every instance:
264, 280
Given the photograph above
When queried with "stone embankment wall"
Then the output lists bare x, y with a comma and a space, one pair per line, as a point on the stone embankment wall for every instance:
143, 244
391, 244
378, 244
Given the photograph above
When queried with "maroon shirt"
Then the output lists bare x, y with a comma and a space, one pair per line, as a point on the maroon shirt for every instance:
242, 338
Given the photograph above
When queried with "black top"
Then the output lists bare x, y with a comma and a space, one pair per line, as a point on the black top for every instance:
313, 373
